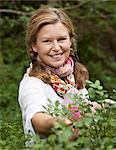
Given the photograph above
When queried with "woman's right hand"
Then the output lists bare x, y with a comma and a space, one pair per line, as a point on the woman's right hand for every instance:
75, 134
75, 131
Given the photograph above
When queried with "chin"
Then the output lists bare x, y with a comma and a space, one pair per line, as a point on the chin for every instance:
58, 65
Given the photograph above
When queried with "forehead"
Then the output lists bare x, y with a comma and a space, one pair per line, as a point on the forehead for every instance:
57, 29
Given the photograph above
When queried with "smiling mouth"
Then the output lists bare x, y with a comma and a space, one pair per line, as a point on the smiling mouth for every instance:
56, 55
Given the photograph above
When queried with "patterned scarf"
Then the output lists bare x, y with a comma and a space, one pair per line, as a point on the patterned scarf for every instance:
66, 73
62, 78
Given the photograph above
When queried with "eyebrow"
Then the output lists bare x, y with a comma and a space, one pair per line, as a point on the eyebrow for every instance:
61, 36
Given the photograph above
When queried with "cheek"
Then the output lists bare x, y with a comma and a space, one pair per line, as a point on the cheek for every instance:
42, 50
67, 46
67, 53
67, 49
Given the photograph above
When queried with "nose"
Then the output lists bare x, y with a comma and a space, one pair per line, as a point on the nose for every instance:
56, 46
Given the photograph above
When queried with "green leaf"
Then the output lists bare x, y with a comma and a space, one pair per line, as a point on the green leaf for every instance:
100, 87
97, 83
87, 121
79, 124
113, 123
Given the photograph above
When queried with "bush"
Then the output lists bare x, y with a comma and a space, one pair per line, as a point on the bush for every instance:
96, 129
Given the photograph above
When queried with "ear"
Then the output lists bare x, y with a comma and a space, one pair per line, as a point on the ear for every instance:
34, 47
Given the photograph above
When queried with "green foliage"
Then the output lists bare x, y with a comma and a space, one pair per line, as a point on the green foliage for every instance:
95, 26
11, 131
11, 136
96, 91
96, 130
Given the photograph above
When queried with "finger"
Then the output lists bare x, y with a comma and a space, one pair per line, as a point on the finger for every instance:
67, 121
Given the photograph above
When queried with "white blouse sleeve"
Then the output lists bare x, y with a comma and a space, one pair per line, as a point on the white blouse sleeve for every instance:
32, 98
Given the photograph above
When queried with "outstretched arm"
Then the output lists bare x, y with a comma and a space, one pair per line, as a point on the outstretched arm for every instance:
43, 123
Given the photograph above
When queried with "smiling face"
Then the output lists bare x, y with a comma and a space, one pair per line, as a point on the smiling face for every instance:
53, 44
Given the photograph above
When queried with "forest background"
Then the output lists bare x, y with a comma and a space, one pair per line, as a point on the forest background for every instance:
95, 26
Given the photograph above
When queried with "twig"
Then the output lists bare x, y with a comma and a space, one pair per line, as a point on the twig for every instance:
75, 6
15, 12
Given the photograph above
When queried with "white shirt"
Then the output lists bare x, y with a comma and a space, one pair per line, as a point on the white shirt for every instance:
33, 98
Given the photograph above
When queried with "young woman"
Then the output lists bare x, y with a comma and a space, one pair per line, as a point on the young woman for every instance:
54, 69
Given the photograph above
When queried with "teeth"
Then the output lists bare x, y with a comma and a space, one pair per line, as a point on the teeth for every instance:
57, 55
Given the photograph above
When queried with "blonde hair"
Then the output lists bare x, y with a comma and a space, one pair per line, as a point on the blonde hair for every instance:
44, 16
